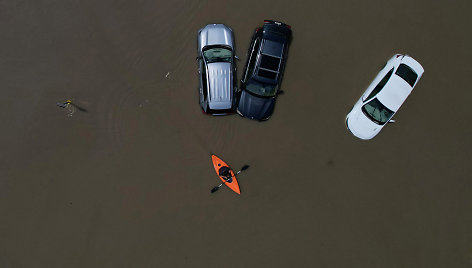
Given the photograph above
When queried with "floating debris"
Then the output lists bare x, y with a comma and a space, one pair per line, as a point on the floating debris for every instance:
68, 106
63, 105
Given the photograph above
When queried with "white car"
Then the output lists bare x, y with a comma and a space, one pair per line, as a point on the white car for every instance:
384, 96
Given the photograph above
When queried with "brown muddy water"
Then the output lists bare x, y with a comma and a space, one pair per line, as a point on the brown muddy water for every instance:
127, 182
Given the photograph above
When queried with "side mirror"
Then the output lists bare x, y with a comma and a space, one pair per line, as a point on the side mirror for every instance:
280, 92
391, 121
236, 57
198, 58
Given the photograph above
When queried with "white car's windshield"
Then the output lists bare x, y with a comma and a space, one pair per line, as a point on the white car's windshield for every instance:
377, 112
217, 54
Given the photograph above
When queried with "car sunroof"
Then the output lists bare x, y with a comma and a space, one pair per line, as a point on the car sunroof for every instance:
272, 48
269, 62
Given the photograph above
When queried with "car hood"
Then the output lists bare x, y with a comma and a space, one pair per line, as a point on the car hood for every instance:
216, 34
255, 107
361, 126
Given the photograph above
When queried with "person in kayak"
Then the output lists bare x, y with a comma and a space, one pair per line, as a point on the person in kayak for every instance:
225, 172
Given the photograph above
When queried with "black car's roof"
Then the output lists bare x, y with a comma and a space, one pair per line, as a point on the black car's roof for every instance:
275, 38
268, 66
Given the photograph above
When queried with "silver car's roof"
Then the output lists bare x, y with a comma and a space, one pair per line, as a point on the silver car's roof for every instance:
215, 34
220, 84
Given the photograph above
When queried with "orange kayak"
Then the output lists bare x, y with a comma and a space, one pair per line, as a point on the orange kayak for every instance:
217, 164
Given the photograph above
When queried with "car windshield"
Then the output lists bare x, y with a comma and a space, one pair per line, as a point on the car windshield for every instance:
261, 89
377, 112
217, 54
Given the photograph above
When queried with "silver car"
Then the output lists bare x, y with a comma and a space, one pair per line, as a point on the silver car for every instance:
216, 69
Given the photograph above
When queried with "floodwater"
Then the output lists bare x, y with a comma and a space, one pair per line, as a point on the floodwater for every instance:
125, 182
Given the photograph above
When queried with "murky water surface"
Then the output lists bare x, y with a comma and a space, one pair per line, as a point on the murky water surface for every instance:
124, 179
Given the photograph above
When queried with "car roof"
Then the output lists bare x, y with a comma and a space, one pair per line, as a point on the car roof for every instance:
220, 85
395, 92
268, 65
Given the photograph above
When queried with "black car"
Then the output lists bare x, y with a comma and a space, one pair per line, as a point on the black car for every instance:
262, 76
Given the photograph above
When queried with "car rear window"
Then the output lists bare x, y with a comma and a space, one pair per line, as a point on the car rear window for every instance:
407, 74
269, 62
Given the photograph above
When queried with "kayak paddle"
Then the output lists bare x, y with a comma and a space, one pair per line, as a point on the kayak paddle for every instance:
218, 187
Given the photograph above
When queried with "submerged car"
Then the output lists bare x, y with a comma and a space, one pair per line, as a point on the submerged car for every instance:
216, 69
264, 69
384, 96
